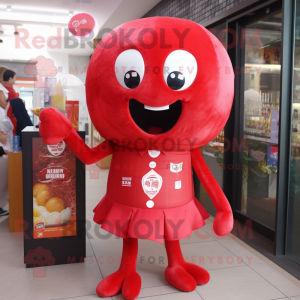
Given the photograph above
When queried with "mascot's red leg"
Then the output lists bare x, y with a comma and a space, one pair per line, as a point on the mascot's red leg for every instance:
126, 279
181, 274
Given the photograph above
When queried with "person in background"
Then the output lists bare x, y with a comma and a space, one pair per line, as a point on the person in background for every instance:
3, 90
7, 91
9, 79
3, 158
13, 105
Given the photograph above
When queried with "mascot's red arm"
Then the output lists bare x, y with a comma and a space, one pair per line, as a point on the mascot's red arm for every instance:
55, 127
223, 222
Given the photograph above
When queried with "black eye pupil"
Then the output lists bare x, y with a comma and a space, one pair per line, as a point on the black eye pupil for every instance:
175, 80
132, 79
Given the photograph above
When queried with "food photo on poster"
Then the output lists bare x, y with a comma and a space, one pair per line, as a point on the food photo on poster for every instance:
54, 190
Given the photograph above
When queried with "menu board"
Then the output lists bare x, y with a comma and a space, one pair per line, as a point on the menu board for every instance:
54, 190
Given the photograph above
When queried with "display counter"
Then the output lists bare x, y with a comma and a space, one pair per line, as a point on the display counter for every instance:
53, 202
15, 192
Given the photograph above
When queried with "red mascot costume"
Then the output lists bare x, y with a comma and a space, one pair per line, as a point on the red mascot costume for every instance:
157, 89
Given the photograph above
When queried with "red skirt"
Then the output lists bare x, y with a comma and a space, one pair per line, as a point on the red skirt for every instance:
152, 224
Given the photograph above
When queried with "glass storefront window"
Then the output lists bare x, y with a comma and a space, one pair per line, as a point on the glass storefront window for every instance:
213, 152
261, 61
293, 217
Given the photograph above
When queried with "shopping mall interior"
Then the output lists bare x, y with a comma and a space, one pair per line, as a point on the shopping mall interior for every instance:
63, 79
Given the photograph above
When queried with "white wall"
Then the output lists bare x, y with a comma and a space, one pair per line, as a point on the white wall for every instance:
9, 51
78, 66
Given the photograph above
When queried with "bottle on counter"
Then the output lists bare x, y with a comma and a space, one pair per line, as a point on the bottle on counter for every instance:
58, 97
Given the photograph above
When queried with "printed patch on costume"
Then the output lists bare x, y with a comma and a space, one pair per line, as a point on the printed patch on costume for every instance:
176, 168
126, 181
178, 185
151, 183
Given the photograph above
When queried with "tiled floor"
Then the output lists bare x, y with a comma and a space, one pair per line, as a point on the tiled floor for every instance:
237, 271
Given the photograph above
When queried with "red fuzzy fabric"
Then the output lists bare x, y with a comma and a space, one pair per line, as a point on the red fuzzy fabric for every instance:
206, 104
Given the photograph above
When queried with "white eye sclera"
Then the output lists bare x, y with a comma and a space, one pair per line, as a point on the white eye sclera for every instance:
130, 68
180, 70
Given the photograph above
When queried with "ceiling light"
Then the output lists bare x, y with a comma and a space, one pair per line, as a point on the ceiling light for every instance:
8, 8
40, 9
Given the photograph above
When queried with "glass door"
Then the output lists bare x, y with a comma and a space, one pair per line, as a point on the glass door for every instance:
260, 67
293, 217
213, 152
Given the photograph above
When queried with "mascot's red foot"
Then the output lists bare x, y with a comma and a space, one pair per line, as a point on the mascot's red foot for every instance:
181, 274
129, 285
126, 279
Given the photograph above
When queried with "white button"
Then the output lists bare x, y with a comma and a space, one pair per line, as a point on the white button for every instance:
150, 203
152, 164
154, 153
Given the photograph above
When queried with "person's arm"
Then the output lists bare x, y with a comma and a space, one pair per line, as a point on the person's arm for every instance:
3, 102
223, 222
55, 127
3, 138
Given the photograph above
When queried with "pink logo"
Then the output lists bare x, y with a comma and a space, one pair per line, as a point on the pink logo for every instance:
40, 68
39, 259
94, 171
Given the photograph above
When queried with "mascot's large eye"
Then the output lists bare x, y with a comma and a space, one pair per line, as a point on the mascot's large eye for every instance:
180, 70
130, 68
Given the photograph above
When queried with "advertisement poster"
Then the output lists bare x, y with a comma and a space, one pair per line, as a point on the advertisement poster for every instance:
272, 156
272, 162
54, 190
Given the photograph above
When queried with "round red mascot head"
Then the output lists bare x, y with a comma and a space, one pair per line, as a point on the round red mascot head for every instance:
160, 83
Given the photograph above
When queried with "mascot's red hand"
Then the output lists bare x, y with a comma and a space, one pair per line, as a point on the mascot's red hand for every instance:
54, 126
223, 222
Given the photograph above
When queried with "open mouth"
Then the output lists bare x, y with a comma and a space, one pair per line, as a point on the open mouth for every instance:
155, 120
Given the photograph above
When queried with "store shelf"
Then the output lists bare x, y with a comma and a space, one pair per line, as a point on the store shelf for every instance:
217, 144
208, 153
257, 116
268, 66
257, 138
247, 129
276, 103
